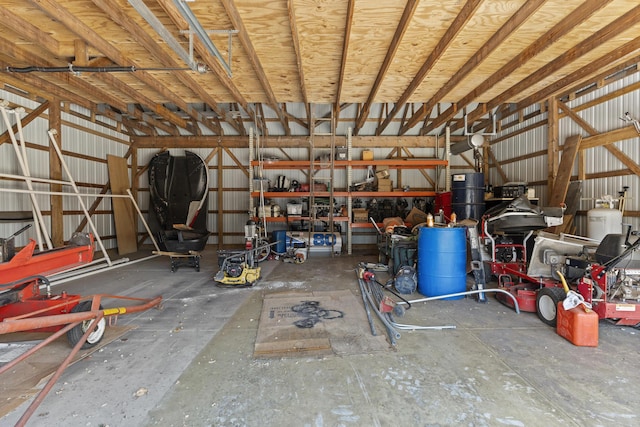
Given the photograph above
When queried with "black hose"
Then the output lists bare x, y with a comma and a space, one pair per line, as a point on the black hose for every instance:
70, 68
388, 288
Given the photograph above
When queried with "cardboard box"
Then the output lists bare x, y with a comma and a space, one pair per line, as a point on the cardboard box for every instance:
367, 155
360, 215
385, 184
381, 174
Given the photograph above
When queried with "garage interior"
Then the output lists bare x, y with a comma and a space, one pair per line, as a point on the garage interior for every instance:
250, 201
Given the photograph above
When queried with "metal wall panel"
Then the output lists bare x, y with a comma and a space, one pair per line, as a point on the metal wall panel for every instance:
96, 144
603, 117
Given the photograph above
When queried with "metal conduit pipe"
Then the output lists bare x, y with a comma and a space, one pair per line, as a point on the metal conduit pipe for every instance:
367, 309
457, 294
393, 334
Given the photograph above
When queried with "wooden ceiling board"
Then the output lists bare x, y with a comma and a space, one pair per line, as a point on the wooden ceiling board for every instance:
537, 25
584, 62
50, 26
549, 55
321, 31
268, 26
213, 16
490, 16
429, 24
374, 24
265, 65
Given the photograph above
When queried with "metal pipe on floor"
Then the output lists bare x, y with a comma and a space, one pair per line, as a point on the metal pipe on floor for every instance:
393, 334
367, 309
457, 294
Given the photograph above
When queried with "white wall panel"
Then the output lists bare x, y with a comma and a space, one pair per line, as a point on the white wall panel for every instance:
90, 169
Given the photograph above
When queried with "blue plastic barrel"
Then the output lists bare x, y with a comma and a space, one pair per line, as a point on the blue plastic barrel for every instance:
280, 238
442, 261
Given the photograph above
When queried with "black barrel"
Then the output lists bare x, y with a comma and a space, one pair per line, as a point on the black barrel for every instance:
467, 199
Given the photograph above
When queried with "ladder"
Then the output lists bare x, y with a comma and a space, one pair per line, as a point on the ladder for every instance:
321, 126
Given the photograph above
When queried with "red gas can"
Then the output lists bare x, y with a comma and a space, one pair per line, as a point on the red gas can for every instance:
579, 325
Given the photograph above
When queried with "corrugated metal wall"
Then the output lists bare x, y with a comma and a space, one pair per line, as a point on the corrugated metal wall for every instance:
94, 146
91, 169
603, 117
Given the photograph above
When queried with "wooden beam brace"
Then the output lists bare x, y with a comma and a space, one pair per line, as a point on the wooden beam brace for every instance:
553, 150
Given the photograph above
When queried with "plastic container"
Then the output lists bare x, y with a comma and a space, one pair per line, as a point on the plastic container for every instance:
603, 221
280, 238
443, 201
578, 325
442, 261
468, 195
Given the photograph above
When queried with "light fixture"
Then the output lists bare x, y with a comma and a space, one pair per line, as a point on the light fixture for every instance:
474, 142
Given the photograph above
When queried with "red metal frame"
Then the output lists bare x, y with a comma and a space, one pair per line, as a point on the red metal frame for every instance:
27, 300
64, 322
626, 313
526, 289
28, 263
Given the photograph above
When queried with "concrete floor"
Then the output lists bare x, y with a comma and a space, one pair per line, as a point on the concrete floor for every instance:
192, 363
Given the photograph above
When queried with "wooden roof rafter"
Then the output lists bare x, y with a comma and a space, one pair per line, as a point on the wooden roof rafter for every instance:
236, 21
92, 38
447, 39
595, 40
27, 29
518, 108
345, 49
145, 40
512, 24
539, 45
213, 65
401, 29
295, 36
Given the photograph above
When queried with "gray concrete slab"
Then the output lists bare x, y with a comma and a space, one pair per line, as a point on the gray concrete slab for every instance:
194, 360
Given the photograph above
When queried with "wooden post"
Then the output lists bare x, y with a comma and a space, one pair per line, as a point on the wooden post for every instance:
220, 203
553, 149
55, 172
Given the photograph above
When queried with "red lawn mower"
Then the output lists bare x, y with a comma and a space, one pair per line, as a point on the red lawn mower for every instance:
606, 274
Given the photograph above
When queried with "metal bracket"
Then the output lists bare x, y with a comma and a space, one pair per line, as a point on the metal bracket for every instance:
227, 64
468, 131
196, 27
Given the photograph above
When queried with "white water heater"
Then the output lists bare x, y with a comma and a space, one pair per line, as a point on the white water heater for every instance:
603, 221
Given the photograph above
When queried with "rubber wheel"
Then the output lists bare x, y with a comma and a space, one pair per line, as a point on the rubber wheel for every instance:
75, 334
547, 304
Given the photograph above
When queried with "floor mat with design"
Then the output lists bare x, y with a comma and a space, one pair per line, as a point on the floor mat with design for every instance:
315, 323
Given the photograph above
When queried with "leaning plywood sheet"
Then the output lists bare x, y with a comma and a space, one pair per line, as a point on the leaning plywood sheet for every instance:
314, 323
560, 187
123, 213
